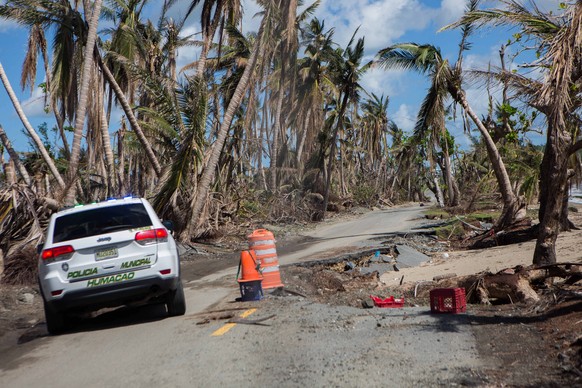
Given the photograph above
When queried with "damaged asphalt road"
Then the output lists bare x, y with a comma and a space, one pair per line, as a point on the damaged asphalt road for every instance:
299, 342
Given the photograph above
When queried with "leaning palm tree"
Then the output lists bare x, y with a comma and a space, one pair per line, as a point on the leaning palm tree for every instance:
427, 59
5, 142
140, 53
559, 40
187, 122
233, 105
37, 141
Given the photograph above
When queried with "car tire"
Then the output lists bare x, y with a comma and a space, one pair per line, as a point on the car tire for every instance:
176, 301
56, 321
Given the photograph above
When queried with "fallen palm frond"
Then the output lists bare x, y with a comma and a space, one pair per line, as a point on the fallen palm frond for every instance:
23, 218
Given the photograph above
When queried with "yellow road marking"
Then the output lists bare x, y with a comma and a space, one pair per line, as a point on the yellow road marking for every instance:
223, 329
229, 326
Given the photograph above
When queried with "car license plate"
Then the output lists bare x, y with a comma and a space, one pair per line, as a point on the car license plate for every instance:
108, 253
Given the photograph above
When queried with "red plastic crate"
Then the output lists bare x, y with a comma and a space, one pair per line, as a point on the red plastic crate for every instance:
448, 300
388, 302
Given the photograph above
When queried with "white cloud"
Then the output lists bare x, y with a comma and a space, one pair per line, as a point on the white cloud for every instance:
404, 118
381, 22
6, 25
117, 114
472, 61
463, 140
250, 21
34, 106
382, 82
188, 54
478, 99
450, 11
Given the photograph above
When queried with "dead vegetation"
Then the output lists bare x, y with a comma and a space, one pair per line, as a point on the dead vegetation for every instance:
516, 304
23, 218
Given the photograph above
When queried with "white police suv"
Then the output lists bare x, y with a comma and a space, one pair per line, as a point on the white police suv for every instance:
108, 254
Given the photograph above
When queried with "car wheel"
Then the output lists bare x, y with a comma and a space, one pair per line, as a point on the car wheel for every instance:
176, 302
55, 321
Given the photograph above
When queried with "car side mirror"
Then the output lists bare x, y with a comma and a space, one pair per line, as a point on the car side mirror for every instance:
169, 225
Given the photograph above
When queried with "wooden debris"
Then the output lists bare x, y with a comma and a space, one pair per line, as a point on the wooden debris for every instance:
509, 287
444, 276
520, 231
250, 321
215, 318
294, 293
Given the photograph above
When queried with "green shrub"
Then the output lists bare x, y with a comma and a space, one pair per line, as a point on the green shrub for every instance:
250, 209
436, 213
364, 195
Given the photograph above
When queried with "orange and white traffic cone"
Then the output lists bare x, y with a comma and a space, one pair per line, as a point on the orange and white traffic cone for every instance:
249, 266
251, 279
262, 242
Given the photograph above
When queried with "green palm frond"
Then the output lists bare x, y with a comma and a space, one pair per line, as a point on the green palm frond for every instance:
193, 103
533, 21
308, 11
409, 56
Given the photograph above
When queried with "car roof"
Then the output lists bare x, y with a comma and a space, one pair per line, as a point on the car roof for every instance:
97, 205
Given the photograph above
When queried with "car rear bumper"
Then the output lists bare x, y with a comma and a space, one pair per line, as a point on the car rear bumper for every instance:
140, 290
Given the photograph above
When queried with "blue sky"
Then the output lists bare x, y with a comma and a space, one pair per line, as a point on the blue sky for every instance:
381, 22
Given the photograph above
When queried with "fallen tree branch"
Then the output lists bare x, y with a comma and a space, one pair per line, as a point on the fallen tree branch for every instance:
469, 225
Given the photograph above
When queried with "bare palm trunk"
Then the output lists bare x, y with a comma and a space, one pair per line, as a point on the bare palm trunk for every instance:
37, 141
452, 187
437, 190
553, 184
150, 154
262, 135
208, 37
277, 133
241, 88
109, 158
510, 202
564, 53
301, 142
121, 179
84, 92
14, 157
10, 175
332, 152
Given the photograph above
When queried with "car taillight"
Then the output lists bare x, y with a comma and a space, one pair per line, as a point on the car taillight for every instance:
57, 253
151, 236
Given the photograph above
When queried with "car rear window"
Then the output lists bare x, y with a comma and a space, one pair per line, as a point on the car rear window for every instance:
99, 221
